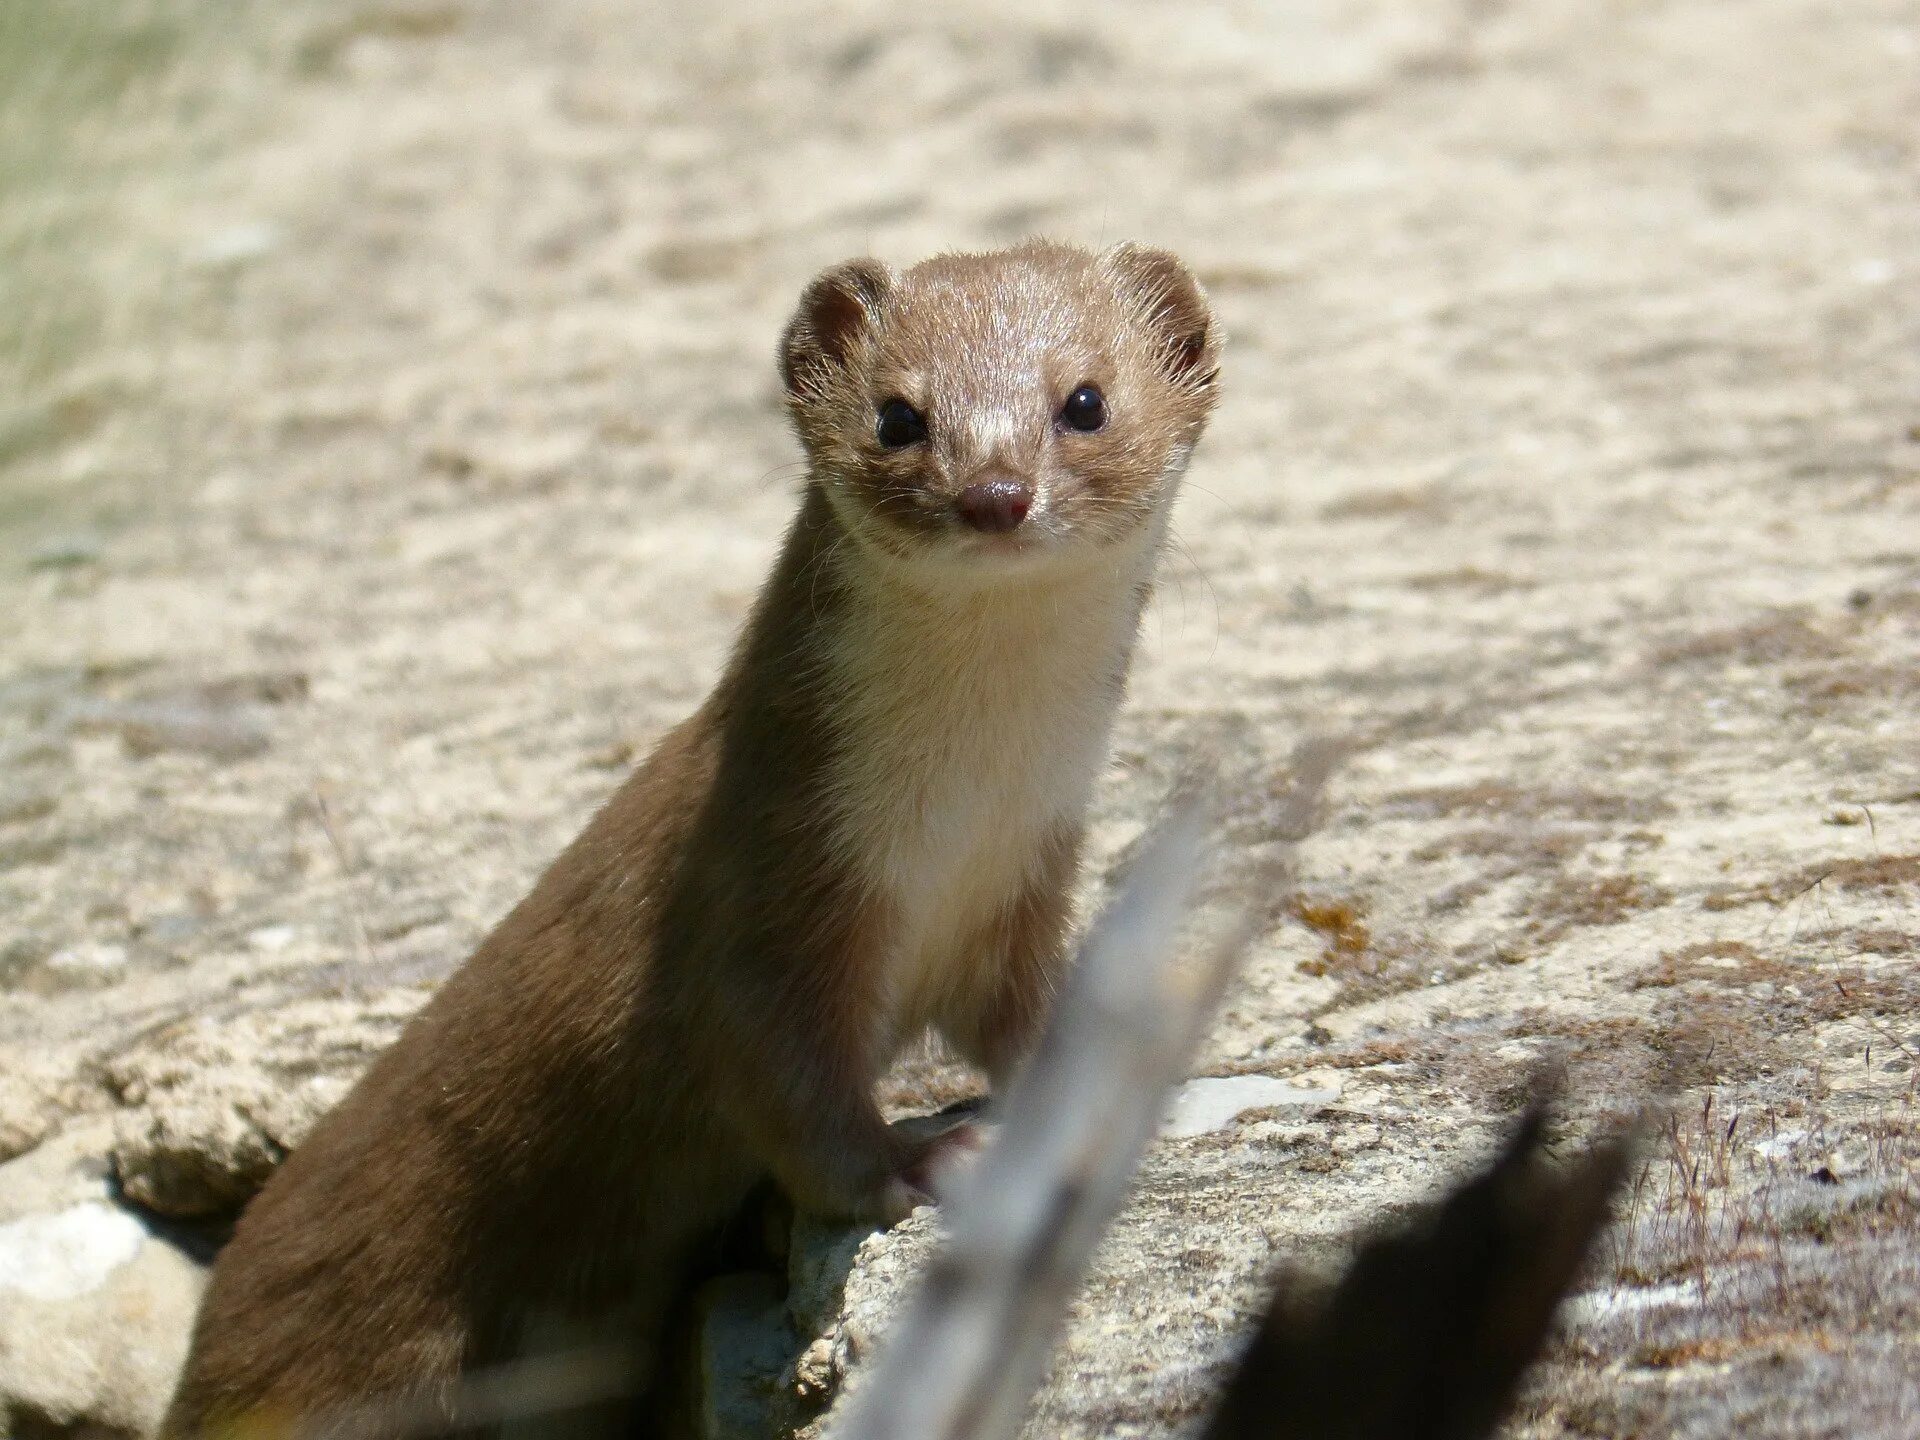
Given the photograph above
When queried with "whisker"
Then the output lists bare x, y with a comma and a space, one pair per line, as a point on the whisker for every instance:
1185, 552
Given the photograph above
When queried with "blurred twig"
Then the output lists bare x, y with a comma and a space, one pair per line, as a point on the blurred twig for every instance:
964, 1360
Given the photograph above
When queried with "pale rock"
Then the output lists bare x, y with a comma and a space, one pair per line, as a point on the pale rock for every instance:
195, 1153
743, 1345
272, 939
211, 1109
95, 1310
94, 1319
26, 1115
821, 1255
872, 1272
68, 1254
1202, 1106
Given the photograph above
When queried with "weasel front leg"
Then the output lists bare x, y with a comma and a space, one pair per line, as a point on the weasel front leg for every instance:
800, 1098
801, 1049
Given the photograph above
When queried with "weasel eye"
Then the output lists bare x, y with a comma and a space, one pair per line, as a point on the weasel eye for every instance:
1084, 410
900, 425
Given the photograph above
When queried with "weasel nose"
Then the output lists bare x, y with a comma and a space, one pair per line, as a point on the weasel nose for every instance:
995, 506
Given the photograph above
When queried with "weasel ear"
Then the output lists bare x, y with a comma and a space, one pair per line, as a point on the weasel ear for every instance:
1174, 307
840, 306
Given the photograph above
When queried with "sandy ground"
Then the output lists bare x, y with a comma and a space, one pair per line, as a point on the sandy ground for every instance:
1569, 468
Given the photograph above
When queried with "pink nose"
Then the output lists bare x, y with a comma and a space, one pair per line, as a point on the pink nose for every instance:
995, 506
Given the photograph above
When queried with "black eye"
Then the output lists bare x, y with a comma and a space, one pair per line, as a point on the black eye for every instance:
900, 424
1084, 410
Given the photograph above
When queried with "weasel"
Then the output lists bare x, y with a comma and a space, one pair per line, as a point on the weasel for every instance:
871, 827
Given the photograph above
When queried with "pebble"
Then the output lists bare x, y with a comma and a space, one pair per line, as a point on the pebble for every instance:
272, 939
235, 245
148, 729
172, 930
94, 1318
89, 957
1780, 1145
65, 552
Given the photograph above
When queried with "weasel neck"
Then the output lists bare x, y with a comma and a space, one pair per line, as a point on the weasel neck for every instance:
970, 724
934, 747
1033, 635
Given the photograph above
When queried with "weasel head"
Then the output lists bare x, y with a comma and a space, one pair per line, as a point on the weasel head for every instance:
1015, 410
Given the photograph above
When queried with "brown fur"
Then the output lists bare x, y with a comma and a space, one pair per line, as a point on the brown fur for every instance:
871, 826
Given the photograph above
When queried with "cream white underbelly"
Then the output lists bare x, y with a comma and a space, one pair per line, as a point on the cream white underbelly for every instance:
970, 740
958, 871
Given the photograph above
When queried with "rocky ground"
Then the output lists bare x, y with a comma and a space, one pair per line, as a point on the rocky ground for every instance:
390, 446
